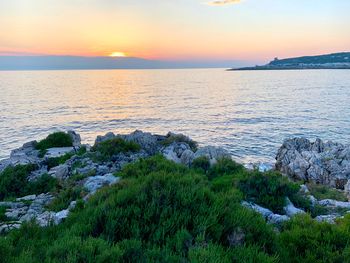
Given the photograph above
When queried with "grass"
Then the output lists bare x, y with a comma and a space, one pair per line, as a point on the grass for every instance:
107, 149
325, 192
164, 212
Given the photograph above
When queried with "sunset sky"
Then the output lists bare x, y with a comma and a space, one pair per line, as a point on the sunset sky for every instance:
254, 30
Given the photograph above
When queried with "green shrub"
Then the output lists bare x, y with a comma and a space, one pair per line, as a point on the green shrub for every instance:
3, 217
55, 161
325, 192
180, 138
144, 167
224, 166
268, 189
106, 149
82, 150
64, 197
202, 163
14, 180
163, 212
306, 240
56, 139
43, 184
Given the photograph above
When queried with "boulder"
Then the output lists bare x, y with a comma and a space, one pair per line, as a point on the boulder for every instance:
321, 162
187, 157
148, 142
60, 216
27, 154
334, 203
6, 227
75, 138
174, 151
347, 189
331, 219
213, 153
106, 137
266, 213
291, 210
60, 172
93, 183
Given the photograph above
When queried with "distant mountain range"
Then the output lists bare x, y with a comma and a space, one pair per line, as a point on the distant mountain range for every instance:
329, 61
77, 62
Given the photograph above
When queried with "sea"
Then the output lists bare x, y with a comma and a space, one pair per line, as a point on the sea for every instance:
249, 113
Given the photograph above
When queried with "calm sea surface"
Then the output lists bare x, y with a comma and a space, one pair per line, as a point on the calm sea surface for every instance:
248, 113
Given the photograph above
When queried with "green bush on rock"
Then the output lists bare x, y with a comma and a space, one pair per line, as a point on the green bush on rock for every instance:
14, 182
268, 189
106, 149
56, 139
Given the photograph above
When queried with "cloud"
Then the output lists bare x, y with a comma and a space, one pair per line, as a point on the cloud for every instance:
223, 2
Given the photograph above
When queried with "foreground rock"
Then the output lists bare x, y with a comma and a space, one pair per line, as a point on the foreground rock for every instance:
320, 162
266, 213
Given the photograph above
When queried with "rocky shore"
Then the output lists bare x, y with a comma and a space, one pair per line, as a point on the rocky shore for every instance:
88, 168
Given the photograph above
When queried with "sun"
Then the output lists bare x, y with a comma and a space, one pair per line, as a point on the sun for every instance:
117, 54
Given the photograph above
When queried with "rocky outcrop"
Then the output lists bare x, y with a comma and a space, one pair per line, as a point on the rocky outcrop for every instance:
321, 162
178, 152
290, 210
266, 213
27, 154
93, 183
212, 153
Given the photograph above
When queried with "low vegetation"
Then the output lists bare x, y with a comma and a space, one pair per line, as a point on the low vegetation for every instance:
56, 139
268, 190
164, 212
325, 192
14, 182
55, 161
107, 149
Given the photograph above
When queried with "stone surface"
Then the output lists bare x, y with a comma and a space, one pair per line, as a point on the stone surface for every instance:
26, 198
148, 142
212, 152
174, 151
58, 151
334, 203
328, 218
23, 155
93, 183
291, 210
75, 138
6, 227
106, 137
319, 162
347, 189
266, 213
60, 172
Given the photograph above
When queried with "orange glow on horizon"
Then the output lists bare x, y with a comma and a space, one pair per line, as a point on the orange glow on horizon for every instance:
117, 54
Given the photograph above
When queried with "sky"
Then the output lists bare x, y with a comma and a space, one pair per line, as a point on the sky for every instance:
249, 30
